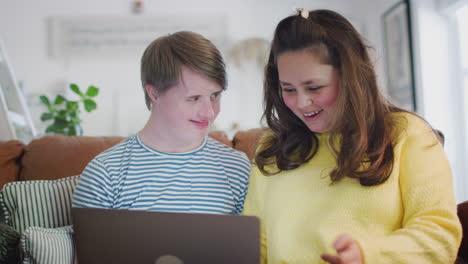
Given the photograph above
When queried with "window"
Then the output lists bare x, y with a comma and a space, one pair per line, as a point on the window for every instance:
462, 21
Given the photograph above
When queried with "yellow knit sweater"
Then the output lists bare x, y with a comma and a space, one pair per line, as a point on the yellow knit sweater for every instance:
411, 218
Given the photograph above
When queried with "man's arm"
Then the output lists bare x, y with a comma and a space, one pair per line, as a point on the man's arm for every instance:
94, 188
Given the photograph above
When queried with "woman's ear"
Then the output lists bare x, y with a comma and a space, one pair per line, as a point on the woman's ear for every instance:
151, 92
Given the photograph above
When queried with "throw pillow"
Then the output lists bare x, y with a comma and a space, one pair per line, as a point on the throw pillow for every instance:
47, 245
9, 240
38, 203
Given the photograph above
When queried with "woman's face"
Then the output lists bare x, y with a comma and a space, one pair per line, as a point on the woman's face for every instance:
309, 88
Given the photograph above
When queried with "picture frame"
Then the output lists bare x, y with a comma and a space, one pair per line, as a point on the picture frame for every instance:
399, 62
15, 120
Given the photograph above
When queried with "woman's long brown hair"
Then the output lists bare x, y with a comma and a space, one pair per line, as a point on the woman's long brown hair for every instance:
362, 128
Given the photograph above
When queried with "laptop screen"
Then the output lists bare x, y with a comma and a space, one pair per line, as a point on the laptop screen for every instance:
129, 236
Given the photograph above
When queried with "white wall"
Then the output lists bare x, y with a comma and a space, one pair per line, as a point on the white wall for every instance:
23, 28
450, 5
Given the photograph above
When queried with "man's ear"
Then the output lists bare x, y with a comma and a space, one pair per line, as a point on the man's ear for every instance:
151, 92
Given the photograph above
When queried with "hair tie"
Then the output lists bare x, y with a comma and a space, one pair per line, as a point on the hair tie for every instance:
304, 12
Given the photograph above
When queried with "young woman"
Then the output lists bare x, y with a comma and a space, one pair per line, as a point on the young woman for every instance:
344, 176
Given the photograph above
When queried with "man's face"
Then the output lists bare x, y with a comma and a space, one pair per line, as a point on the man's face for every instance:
188, 108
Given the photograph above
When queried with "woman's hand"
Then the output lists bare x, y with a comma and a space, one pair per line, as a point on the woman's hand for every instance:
347, 249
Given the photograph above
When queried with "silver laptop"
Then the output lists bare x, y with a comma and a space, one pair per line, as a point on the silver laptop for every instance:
127, 236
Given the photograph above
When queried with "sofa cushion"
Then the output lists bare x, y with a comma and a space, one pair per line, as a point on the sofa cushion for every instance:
10, 151
47, 245
248, 140
56, 156
221, 136
38, 203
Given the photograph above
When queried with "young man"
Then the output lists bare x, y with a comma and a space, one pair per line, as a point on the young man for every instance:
171, 164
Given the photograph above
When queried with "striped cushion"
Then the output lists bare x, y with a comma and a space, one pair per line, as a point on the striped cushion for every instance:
47, 245
38, 203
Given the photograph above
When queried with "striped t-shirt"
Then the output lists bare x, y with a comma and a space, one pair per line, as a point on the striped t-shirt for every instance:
211, 179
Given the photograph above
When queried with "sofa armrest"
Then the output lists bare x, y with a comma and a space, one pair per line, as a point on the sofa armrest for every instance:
10, 152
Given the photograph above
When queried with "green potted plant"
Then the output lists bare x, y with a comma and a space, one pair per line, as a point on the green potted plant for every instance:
65, 113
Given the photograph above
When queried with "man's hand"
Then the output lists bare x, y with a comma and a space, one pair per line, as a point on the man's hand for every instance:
347, 251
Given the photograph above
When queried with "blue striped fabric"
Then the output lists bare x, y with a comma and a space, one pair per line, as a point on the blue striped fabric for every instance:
130, 175
38, 203
47, 245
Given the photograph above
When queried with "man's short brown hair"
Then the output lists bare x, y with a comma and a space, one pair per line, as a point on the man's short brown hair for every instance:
162, 61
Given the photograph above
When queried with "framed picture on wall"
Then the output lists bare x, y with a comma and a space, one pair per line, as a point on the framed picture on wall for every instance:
399, 56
